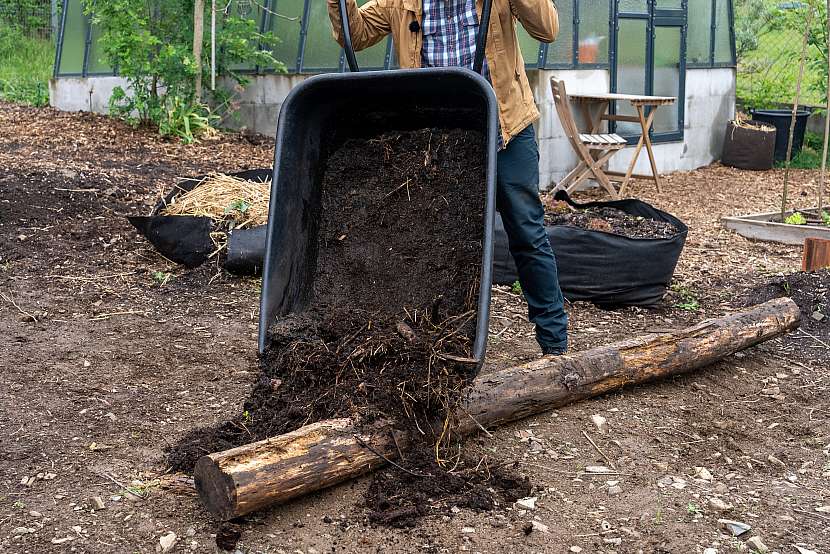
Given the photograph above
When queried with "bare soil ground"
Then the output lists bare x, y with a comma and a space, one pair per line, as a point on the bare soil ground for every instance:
110, 354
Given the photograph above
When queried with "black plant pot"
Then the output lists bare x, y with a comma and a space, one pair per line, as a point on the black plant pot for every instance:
780, 119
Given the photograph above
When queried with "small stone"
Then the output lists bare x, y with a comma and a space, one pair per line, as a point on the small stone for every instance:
35, 514
710, 551
528, 503
539, 526
600, 422
597, 469
802, 550
678, 483
737, 528
823, 509
455, 509
97, 503
575, 549
771, 391
17, 531
536, 447
21, 238
190, 532
703, 473
721, 488
818, 316
665, 481
61, 540
756, 544
616, 541
614, 490
167, 542
468, 530
719, 505
87, 363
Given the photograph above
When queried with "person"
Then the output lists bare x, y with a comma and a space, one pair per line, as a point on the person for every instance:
440, 33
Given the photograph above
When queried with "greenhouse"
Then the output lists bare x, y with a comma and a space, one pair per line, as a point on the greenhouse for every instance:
679, 48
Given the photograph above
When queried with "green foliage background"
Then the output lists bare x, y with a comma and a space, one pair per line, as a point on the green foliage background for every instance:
151, 43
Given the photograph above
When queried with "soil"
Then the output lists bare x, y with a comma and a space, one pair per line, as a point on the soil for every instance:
811, 291
612, 220
115, 366
395, 293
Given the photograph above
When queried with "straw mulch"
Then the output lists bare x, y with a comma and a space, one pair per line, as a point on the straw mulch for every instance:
234, 203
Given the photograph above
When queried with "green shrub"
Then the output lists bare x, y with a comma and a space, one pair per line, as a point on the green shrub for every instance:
151, 44
797, 218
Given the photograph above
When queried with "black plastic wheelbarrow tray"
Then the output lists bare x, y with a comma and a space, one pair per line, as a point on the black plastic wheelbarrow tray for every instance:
328, 109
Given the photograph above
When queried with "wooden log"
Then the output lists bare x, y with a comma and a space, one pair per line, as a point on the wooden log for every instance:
816, 253
273, 471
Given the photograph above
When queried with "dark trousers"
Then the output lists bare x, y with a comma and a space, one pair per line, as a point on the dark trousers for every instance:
517, 199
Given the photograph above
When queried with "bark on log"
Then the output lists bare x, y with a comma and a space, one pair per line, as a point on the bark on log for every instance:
273, 471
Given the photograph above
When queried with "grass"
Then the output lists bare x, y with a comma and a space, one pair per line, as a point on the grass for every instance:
810, 155
25, 67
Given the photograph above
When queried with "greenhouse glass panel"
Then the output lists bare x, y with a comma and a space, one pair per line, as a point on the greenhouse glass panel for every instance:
321, 51
723, 38
287, 30
593, 31
633, 6
669, 4
560, 51
74, 39
631, 68
667, 76
699, 31
96, 59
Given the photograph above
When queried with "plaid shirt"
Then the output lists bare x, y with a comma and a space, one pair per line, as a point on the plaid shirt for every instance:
450, 28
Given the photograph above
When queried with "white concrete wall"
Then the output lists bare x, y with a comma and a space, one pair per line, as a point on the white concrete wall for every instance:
710, 103
83, 94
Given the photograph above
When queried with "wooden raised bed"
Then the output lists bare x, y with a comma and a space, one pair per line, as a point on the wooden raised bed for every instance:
768, 227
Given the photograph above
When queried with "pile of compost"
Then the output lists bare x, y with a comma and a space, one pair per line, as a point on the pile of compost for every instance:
811, 291
611, 220
390, 329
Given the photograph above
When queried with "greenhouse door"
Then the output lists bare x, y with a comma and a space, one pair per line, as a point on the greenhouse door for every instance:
648, 57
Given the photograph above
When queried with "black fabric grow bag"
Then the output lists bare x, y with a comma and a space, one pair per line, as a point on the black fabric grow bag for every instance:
326, 110
186, 239
749, 146
604, 268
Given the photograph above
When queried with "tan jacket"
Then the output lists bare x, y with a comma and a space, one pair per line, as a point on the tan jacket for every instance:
374, 20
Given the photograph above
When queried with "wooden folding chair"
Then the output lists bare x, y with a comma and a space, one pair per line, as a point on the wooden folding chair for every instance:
593, 151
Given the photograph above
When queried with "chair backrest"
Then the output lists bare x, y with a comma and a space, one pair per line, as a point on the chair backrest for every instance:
563, 108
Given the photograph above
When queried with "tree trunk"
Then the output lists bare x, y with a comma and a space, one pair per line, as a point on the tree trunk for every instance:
256, 475
198, 34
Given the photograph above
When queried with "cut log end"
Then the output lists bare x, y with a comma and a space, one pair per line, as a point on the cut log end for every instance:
217, 489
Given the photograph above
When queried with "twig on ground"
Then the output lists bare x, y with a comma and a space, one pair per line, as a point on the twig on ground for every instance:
598, 449
19, 309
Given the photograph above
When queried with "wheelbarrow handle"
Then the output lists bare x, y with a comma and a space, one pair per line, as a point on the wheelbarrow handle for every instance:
481, 38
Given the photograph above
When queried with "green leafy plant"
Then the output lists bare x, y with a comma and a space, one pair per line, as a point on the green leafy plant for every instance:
151, 44
825, 218
162, 277
516, 288
693, 509
796, 218
688, 299
238, 205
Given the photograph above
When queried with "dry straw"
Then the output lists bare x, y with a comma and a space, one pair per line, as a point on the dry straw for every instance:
238, 203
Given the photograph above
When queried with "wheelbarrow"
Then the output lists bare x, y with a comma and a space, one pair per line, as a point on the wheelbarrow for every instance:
335, 107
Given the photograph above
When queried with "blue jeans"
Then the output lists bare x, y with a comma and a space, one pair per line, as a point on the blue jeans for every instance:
517, 199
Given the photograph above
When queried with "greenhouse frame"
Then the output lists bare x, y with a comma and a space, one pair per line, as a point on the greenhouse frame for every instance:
681, 48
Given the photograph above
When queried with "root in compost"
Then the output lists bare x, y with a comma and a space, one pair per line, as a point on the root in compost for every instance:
611, 220
390, 330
